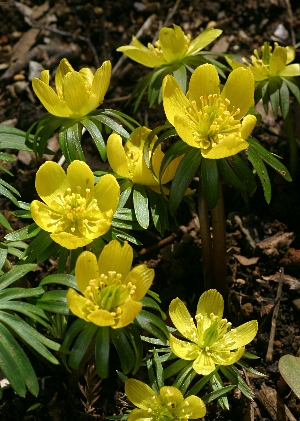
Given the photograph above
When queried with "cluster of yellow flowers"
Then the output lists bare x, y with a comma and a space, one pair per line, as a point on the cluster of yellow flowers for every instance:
76, 211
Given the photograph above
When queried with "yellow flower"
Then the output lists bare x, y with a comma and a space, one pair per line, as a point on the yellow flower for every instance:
172, 47
111, 291
128, 161
270, 64
212, 342
169, 404
75, 211
77, 93
208, 119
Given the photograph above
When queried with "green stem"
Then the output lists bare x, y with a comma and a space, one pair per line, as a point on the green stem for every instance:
219, 278
292, 146
205, 236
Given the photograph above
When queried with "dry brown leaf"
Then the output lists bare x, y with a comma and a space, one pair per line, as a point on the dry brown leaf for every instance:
245, 261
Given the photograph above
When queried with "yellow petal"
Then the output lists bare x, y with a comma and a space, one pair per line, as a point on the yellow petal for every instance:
291, 70
203, 39
115, 257
229, 146
290, 54
142, 277
70, 241
50, 181
278, 60
41, 214
171, 169
49, 99
138, 415
87, 76
80, 177
101, 318
139, 53
245, 333
76, 95
204, 81
234, 64
63, 68
77, 304
116, 155
142, 174
248, 125
130, 310
183, 349
239, 89
107, 193
86, 269
173, 43
182, 126
196, 407
235, 356
204, 364
100, 85
211, 301
138, 392
45, 76
174, 100
182, 319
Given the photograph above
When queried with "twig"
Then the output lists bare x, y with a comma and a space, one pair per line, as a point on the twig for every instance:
269, 355
291, 18
161, 243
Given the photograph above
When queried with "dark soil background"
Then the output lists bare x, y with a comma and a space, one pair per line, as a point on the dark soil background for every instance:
261, 238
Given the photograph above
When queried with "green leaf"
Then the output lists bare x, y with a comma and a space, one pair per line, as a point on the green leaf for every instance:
4, 222
24, 233
181, 77
82, 344
12, 138
261, 170
184, 378
293, 86
140, 204
159, 211
232, 374
289, 367
210, 181
125, 352
201, 383
76, 327
150, 303
60, 278
30, 336
102, 348
54, 301
152, 324
178, 148
186, 171
134, 336
274, 87
229, 176
14, 274
113, 125
175, 368
125, 119
94, 130
217, 384
216, 394
15, 293
270, 159
242, 168
284, 98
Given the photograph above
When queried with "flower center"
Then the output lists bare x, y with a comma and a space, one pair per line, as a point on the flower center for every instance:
75, 205
108, 293
212, 121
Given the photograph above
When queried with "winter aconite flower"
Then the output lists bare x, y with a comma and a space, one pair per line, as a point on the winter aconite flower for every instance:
128, 161
212, 341
172, 47
74, 210
169, 404
270, 63
207, 119
111, 290
77, 93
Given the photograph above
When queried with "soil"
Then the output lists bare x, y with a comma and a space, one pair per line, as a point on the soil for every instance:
261, 238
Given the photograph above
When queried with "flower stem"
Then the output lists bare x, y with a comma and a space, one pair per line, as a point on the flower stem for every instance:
292, 146
219, 269
205, 236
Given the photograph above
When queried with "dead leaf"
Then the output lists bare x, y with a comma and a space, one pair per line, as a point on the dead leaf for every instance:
245, 261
